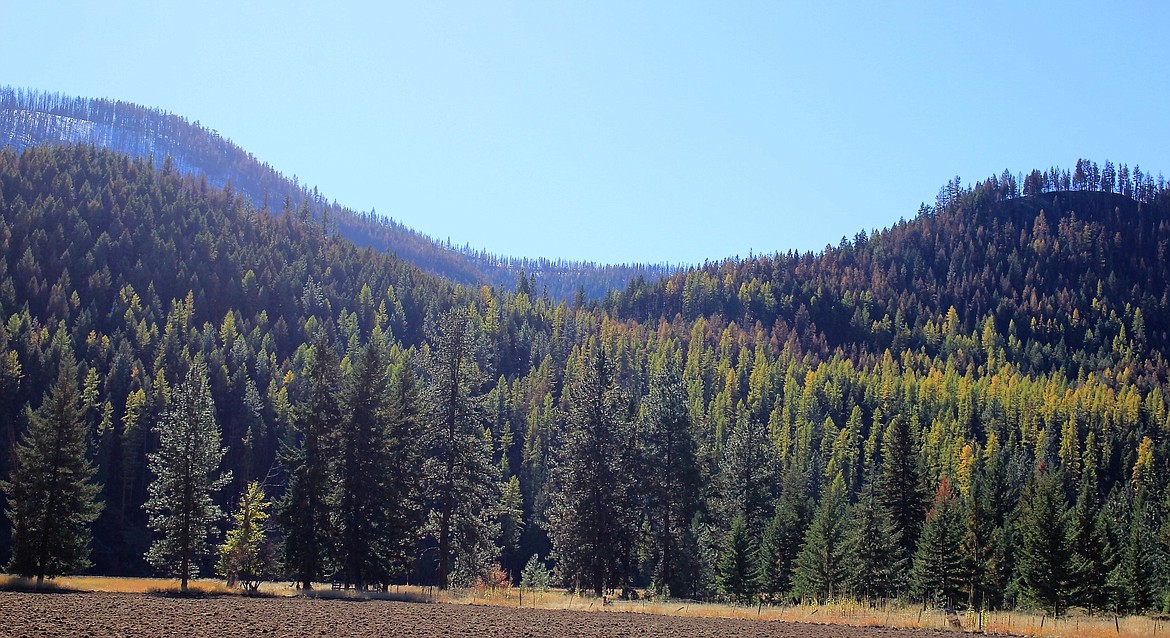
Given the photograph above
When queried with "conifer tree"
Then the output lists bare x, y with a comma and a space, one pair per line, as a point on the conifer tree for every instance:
52, 500
375, 505
779, 547
1044, 564
464, 484
305, 509
828, 558
671, 480
937, 571
186, 467
245, 557
881, 566
1093, 555
899, 484
591, 519
737, 573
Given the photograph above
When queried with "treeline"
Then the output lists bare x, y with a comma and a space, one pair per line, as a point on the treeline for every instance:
969, 408
31, 118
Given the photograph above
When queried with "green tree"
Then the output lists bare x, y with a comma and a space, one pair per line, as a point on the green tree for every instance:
1045, 556
1093, 555
186, 467
779, 548
591, 520
737, 572
52, 500
245, 558
463, 482
881, 566
304, 511
899, 484
828, 558
671, 480
376, 504
937, 570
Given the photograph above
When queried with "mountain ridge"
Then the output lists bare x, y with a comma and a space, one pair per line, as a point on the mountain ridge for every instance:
30, 118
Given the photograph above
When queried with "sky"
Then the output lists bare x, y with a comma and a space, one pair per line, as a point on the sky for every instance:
615, 132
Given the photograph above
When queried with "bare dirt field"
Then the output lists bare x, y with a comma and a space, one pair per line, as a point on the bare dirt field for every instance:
118, 614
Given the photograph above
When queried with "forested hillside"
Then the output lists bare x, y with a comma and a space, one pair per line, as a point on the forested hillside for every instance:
967, 408
31, 118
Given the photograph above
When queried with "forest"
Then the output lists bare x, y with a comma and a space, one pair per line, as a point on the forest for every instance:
30, 118
968, 409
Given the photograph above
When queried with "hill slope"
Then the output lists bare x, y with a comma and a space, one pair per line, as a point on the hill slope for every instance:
29, 118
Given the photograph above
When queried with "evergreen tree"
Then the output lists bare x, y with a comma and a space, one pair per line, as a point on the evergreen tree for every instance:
375, 506
899, 484
186, 467
245, 558
937, 571
463, 481
778, 549
304, 511
737, 574
881, 566
1134, 578
591, 519
1045, 556
1093, 556
51, 496
671, 481
828, 558
978, 543
748, 475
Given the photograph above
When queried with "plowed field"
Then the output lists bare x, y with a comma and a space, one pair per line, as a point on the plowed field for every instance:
110, 614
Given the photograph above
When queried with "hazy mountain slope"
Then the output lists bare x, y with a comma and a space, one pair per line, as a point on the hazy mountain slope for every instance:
29, 118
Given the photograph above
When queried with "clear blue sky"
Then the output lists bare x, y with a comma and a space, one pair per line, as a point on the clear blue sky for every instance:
627, 131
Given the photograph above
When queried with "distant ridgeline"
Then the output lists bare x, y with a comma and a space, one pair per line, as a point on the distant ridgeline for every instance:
31, 118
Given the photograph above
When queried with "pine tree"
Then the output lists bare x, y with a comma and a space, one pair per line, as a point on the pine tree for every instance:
304, 511
246, 556
937, 570
737, 573
828, 558
671, 481
591, 520
463, 481
1045, 569
1093, 556
778, 549
51, 496
186, 470
881, 566
375, 505
899, 486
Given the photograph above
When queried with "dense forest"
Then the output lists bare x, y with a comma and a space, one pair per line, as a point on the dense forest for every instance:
969, 408
31, 118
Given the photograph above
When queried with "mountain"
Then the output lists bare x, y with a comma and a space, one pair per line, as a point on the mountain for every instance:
1004, 350
31, 118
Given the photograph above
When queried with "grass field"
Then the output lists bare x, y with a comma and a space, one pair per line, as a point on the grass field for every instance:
841, 613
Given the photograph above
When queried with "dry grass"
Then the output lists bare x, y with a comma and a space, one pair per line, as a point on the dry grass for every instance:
836, 613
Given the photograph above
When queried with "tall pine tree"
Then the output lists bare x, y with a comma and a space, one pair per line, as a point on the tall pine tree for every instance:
374, 503
304, 511
591, 518
51, 496
937, 570
463, 483
671, 480
1045, 557
828, 559
186, 467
